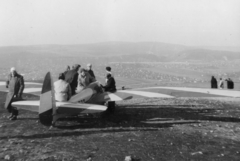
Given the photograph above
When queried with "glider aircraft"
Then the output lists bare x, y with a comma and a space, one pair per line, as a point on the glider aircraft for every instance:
90, 100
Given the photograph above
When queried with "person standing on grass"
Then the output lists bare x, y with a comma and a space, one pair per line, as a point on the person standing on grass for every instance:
71, 77
89, 69
213, 82
15, 84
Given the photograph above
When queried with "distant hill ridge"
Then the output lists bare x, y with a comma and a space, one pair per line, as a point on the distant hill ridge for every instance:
123, 51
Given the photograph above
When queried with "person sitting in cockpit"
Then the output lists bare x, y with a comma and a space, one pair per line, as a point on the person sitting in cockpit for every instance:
62, 89
84, 79
110, 87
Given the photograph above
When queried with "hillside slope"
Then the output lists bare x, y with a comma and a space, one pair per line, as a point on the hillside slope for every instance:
121, 52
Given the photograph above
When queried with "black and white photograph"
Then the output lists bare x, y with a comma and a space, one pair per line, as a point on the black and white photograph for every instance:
119, 80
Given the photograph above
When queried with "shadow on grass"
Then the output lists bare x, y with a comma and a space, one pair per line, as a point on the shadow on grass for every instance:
130, 118
183, 112
28, 118
146, 116
72, 133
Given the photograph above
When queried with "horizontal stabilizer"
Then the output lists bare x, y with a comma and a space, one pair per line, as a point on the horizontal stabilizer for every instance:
62, 107
27, 105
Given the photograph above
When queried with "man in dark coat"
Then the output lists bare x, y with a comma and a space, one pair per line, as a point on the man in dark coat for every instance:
89, 68
15, 84
110, 84
71, 77
230, 83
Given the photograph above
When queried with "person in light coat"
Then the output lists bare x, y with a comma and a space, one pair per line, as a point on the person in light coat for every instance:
84, 79
221, 83
63, 91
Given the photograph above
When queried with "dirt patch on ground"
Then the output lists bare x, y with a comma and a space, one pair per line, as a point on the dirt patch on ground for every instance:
145, 129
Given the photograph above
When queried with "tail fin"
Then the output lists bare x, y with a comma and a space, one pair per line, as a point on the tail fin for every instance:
47, 101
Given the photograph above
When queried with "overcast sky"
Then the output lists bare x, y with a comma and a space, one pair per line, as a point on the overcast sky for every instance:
187, 22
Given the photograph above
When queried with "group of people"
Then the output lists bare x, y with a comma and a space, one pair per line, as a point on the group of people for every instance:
69, 83
73, 81
220, 84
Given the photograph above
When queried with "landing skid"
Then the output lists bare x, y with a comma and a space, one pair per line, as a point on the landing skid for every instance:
111, 107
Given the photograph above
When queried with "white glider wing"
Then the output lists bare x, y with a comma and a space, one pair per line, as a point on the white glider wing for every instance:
121, 95
192, 92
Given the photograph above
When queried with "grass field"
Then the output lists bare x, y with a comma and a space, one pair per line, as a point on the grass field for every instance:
145, 129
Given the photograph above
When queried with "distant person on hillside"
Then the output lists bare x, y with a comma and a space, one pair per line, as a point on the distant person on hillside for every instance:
63, 91
71, 77
15, 84
213, 82
89, 68
221, 84
84, 79
230, 83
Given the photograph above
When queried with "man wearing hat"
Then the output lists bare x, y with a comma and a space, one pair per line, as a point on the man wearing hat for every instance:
15, 84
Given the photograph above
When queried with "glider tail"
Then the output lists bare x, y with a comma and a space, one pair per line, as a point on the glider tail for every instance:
47, 106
